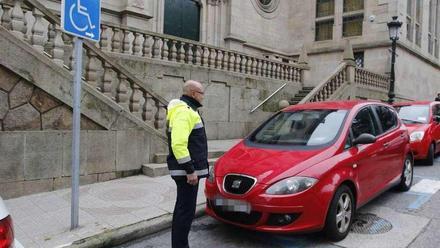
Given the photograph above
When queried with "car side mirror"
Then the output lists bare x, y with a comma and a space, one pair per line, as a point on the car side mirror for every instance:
364, 138
437, 118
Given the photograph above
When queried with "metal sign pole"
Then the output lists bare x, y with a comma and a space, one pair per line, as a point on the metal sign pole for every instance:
76, 132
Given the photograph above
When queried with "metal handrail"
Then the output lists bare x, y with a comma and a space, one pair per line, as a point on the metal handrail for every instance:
265, 100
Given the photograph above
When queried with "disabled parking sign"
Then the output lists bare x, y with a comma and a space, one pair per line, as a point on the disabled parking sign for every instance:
81, 18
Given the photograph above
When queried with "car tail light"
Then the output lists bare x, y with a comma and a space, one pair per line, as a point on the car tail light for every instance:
6, 233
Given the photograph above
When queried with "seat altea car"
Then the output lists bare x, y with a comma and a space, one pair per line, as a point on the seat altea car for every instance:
423, 122
309, 167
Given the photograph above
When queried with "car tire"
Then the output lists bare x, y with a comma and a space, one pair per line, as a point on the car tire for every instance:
337, 228
406, 179
430, 158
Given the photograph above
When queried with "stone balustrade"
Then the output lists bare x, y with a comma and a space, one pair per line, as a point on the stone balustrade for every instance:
371, 79
130, 41
31, 22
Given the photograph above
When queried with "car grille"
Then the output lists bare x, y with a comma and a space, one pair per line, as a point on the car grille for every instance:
238, 217
238, 184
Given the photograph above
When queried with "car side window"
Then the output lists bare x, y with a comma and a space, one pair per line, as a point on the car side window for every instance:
387, 118
363, 123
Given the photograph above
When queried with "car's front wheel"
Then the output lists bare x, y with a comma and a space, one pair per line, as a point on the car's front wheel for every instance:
431, 153
340, 214
406, 178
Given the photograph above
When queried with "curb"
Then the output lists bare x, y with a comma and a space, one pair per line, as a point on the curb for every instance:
121, 235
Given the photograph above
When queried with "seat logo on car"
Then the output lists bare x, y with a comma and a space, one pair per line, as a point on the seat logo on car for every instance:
236, 184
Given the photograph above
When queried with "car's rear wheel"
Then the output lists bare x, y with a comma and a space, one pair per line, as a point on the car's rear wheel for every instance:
430, 158
340, 214
406, 178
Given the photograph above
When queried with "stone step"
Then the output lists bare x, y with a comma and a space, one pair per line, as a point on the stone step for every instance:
161, 158
298, 99
308, 88
301, 95
157, 170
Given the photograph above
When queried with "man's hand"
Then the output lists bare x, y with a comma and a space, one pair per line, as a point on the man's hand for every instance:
192, 179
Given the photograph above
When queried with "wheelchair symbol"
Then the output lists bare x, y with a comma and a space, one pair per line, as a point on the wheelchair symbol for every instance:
82, 11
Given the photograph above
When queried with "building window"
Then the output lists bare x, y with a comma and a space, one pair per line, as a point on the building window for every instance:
434, 24
359, 59
409, 29
268, 6
353, 5
324, 30
352, 25
414, 21
182, 19
325, 8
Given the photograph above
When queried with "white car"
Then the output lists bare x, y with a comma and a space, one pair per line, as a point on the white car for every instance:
7, 239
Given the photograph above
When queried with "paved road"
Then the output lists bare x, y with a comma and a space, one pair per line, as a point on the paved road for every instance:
410, 219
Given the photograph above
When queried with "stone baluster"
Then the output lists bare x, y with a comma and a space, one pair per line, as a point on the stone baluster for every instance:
58, 48
103, 43
270, 67
6, 16
257, 66
181, 52
190, 54
198, 55
116, 40
51, 33
17, 19
249, 65
231, 61
237, 62
135, 98
280, 71
146, 48
212, 57
25, 25
156, 46
218, 59
38, 38
159, 118
263, 68
254, 66
121, 91
107, 80
165, 49
225, 60
137, 43
243, 61
284, 72
126, 42
148, 108
91, 69
205, 56
173, 55
289, 73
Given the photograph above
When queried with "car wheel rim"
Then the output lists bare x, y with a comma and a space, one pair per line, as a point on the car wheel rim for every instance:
408, 172
343, 213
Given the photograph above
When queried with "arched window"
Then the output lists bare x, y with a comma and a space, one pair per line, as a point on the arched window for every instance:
182, 19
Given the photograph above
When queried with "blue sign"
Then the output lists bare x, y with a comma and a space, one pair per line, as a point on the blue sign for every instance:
81, 18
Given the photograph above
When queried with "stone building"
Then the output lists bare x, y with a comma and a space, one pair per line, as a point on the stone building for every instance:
243, 51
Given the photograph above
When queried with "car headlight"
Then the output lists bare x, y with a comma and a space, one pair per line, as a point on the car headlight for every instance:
291, 185
416, 136
211, 174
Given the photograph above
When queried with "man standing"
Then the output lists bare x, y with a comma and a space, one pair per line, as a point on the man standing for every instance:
188, 157
438, 97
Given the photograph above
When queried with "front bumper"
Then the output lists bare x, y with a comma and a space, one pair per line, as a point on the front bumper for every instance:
420, 149
302, 212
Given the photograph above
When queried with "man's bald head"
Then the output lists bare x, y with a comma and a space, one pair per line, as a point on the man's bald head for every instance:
193, 89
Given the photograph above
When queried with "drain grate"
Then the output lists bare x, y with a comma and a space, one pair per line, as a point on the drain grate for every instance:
370, 224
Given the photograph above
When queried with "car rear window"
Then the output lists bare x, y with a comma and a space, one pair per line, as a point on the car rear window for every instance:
413, 114
306, 128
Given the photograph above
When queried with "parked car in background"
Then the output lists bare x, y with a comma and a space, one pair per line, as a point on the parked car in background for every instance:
423, 122
6, 229
309, 167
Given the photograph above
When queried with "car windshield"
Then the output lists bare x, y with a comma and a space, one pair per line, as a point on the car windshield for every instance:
301, 128
414, 114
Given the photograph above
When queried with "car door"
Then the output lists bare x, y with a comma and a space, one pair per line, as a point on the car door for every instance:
436, 126
392, 151
366, 159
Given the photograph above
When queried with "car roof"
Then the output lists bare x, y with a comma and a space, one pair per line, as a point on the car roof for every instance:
349, 104
413, 103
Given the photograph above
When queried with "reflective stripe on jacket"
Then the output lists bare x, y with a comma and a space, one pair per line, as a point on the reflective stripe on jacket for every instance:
187, 140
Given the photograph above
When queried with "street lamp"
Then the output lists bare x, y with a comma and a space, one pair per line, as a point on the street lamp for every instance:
393, 27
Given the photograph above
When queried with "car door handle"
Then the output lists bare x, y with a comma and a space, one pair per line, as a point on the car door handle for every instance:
386, 144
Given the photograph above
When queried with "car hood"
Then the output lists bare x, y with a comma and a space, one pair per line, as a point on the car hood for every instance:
268, 165
416, 127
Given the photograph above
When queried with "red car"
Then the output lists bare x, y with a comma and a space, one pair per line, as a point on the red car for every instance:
423, 122
309, 167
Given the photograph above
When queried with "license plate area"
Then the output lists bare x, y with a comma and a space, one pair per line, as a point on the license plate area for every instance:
232, 205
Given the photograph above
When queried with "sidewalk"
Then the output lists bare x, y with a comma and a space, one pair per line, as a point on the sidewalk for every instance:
110, 212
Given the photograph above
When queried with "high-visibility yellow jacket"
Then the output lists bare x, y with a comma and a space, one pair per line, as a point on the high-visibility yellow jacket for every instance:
188, 147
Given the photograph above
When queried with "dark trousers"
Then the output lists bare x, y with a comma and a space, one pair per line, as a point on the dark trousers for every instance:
184, 212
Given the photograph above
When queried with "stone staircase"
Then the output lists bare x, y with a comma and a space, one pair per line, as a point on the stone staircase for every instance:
300, 95
216, 148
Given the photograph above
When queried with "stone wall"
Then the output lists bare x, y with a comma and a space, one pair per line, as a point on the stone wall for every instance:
40, 161
229, 96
